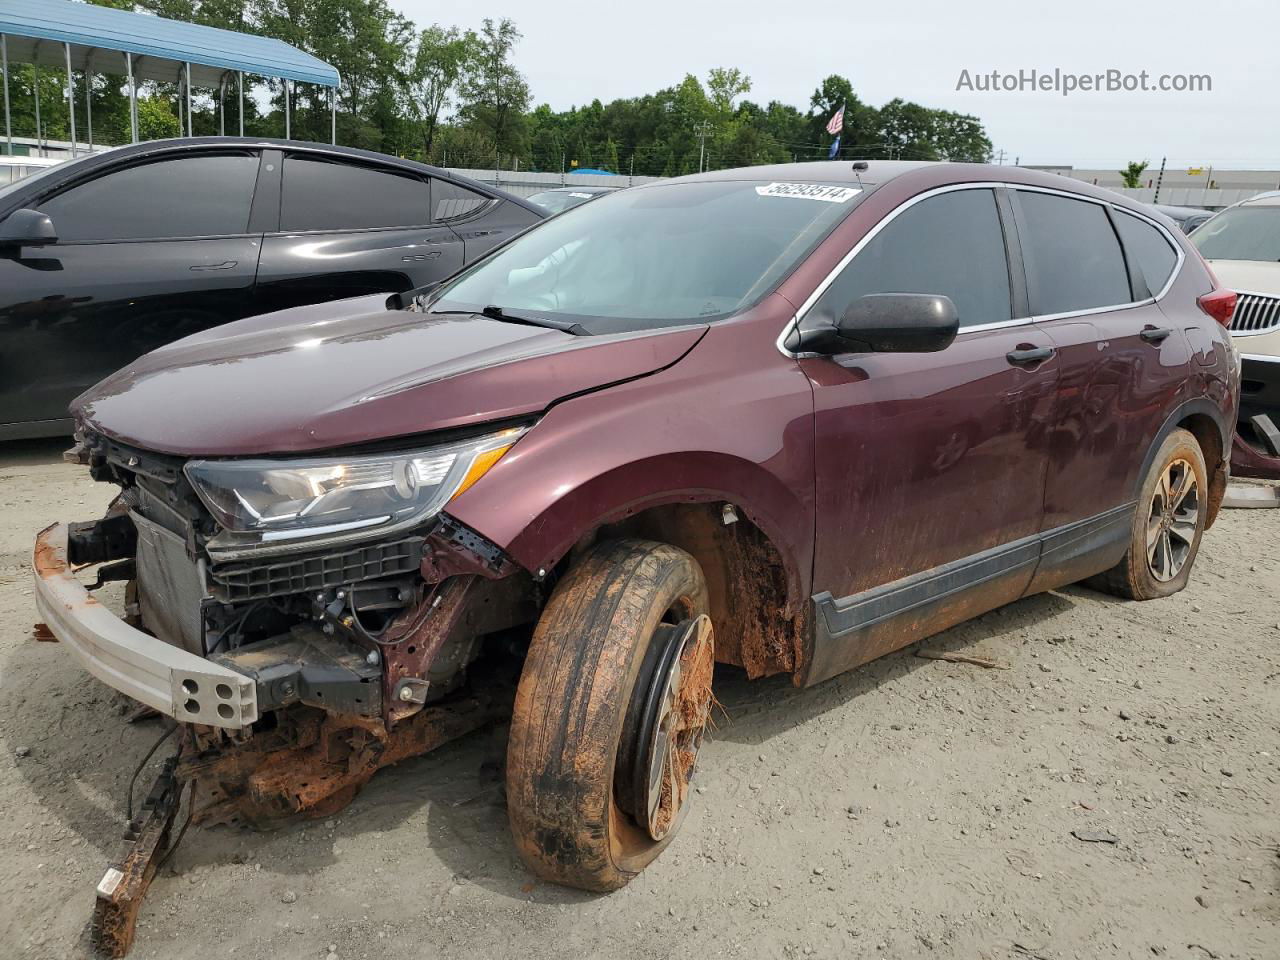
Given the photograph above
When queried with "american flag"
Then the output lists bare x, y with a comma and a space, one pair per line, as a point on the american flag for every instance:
836, 123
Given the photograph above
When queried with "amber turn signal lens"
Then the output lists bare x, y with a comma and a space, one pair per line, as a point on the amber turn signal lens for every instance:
479, 467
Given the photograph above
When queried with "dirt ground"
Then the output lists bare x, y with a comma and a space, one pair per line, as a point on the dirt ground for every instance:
914, 808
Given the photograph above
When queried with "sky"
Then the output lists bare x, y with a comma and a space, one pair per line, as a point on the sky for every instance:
918, 50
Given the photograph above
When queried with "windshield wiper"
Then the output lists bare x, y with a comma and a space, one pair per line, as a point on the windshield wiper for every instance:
494, 312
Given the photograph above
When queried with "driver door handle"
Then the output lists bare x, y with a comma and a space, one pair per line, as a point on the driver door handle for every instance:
224, 265
1027, 357
1154, 334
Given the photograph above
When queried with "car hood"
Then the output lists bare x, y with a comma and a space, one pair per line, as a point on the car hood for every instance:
351, 372
1250, 276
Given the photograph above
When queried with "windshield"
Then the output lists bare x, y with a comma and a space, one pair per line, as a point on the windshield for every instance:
557, 201
655, 256
1241, 233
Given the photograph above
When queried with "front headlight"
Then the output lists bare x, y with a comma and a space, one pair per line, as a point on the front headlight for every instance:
260, 502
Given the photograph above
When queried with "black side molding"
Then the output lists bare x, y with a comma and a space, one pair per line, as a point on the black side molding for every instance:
853, 630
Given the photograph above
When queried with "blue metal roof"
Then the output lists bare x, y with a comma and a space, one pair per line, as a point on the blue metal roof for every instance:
93, 31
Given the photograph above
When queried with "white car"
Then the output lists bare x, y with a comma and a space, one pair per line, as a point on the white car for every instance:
1242, 245
17, 167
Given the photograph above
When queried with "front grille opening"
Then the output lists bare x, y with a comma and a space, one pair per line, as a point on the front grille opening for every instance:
255, 581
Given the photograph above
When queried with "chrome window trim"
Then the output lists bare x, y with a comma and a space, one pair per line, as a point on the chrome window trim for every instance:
1259, 358
822, 287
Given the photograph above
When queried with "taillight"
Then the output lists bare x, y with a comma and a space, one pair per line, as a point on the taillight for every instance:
1219, 304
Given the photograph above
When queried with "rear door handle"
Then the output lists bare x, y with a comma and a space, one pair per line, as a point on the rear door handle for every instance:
1154, 334
224, 265
1025, 358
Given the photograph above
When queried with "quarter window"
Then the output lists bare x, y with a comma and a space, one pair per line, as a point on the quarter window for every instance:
453, 201
1072, 256
950, 244
1148, 249
326, 195
205, 196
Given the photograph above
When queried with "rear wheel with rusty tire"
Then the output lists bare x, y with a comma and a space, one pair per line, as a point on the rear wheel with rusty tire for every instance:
1167, 525
609, 715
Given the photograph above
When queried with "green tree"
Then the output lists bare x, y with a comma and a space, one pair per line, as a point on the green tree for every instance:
724, 86
441, 59
785, 124
465, 146
368, 43
156, 119
547, 147
906, 131
494, 93
1132, 173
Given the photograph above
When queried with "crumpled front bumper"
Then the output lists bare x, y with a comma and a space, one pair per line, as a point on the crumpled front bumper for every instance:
166, 678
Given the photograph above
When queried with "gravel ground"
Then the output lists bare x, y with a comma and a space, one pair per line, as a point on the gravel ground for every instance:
1112, 793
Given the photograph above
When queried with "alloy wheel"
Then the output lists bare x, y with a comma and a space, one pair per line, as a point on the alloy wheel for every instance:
1172, 520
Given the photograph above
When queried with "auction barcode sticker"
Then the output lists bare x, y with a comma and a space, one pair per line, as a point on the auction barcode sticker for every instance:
809, 191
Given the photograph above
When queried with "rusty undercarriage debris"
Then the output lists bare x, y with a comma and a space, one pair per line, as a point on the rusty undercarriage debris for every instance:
315, 762
146, 843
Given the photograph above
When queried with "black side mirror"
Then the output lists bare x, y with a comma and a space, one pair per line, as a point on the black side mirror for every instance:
900, 322
27, 228
888, 323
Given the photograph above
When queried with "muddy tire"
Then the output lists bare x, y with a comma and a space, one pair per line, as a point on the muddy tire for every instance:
625, 613
1167, 524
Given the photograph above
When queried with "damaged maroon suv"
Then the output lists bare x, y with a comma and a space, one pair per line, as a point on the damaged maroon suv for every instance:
787, 418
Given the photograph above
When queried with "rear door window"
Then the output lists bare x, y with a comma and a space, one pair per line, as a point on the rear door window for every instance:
204, 196
320, 194
1147, 247
950, 244
1073, 258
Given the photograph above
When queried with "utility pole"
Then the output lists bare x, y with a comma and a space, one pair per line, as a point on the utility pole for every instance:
1000, 157
1159, 180
702, 130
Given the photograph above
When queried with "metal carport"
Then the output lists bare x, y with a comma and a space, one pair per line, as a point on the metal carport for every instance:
78, 36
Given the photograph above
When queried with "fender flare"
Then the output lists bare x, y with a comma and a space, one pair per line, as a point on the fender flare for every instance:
1198, 405
1226, 436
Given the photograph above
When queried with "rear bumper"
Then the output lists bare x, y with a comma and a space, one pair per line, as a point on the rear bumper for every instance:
166, 678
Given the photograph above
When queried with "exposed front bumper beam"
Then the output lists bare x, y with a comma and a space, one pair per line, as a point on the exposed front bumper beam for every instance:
166, 678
